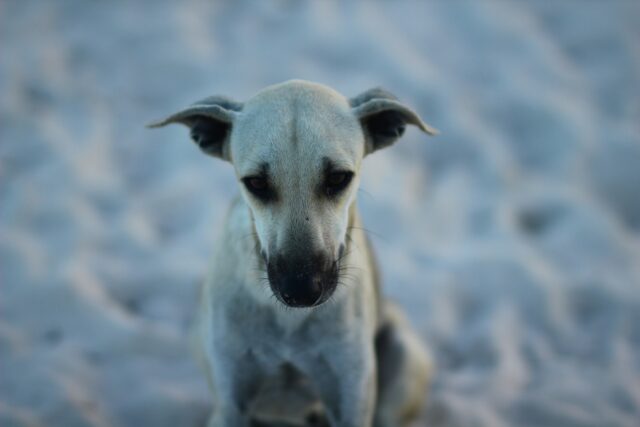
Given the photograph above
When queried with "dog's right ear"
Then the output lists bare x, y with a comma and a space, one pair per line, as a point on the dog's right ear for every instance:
383, 118
210, 121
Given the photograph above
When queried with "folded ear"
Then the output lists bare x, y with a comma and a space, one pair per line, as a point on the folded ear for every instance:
384, 118
210, 121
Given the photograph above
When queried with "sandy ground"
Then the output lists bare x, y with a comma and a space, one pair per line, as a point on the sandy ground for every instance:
512, 240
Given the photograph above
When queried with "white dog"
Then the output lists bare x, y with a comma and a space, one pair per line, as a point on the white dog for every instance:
295, 234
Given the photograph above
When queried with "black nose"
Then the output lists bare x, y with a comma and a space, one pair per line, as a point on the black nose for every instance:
302, 281
301, 292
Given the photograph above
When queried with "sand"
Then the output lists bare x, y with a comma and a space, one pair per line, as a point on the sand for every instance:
512, 239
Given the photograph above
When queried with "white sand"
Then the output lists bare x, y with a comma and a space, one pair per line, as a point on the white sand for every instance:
512, 239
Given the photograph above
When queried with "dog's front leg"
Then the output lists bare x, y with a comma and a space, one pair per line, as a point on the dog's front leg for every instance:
224, 416
234, 376
347, 383
226, 411
358, 395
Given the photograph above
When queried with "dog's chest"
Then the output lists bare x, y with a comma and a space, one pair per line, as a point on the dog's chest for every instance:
274, 332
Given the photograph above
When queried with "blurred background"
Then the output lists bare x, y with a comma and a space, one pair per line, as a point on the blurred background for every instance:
512, 239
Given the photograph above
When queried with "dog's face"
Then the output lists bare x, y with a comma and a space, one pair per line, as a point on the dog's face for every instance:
297, 154
297, 148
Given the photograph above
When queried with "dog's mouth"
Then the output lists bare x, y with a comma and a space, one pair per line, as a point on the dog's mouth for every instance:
292, 301
295, 301
305, 284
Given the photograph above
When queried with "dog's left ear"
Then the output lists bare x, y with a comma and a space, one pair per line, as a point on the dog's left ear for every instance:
384, 118
210, 121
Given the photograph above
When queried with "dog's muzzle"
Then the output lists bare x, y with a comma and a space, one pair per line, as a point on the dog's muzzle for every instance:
302, 281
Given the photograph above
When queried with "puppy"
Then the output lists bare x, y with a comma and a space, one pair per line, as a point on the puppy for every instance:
294, 279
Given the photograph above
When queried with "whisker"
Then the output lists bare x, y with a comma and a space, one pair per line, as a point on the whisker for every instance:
344, 255
366, 230
350, 268
348, 236
366, 193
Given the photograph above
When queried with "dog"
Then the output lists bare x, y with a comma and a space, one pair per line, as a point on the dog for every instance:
294, 279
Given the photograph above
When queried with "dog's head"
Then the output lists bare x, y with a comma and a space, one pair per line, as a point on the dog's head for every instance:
297, 148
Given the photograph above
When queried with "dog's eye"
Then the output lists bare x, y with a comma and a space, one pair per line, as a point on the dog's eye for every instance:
335, 182
257, 184
259, 187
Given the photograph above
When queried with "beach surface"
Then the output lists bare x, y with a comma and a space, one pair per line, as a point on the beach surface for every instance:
512, 239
